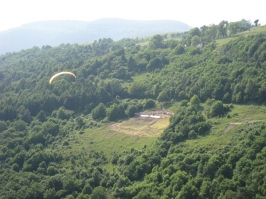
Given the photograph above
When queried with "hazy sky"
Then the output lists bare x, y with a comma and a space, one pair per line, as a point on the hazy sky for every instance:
14, 13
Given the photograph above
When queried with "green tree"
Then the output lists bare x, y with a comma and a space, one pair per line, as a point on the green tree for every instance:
131, 64
156, 42
24, 114
8, 113
217, 109
206, 189
251, 90
222, 27
82, 196
131, 110
36, 138
179, 49
116, 87
115, 112
137, 89
194, 50
102, 94
211, 33
183, 103
188, 191
61, 114
34, 191
3, 126
99, 193
233, 28
178, 180
71, 184
172, 43
149, 103
144, 194
41, 116
212, 166
226, 170
51, 170
87, 189
194, 32
195, 101
195, 40
163, 96
19, 125
192, 134
50, 128
80, 121
99, 112
49, 194
154, 64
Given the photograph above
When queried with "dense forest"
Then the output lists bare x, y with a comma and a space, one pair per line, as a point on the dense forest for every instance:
202, 74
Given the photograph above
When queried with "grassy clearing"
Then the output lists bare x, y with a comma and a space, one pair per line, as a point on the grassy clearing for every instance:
141, 133
117, 138
222, 134
144, 78
162, 124
221, 42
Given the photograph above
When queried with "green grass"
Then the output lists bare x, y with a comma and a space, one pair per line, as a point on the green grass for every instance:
221, 42
222, 133
144, 78
162, 124
255, 30
109, 140
136, 133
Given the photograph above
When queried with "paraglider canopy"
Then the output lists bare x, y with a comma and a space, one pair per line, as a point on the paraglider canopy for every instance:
61, 73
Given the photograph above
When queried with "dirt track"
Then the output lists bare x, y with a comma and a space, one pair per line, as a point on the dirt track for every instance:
231, 126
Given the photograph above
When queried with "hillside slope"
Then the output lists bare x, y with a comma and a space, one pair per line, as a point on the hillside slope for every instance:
82, 137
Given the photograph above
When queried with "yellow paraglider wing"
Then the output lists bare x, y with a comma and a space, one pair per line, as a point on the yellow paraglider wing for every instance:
61, 73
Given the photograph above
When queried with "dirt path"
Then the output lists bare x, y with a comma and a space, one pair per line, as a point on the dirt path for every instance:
231, 126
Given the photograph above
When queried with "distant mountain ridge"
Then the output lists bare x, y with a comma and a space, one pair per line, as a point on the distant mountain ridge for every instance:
67, 31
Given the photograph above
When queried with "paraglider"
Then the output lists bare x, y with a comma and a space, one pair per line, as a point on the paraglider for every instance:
61, 73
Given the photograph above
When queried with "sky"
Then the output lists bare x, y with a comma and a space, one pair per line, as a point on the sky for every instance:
195, 13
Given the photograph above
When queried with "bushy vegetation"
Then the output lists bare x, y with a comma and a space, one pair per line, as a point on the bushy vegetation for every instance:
114, 81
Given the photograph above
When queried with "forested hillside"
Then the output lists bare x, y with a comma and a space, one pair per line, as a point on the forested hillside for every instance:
54, 33
212, 78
